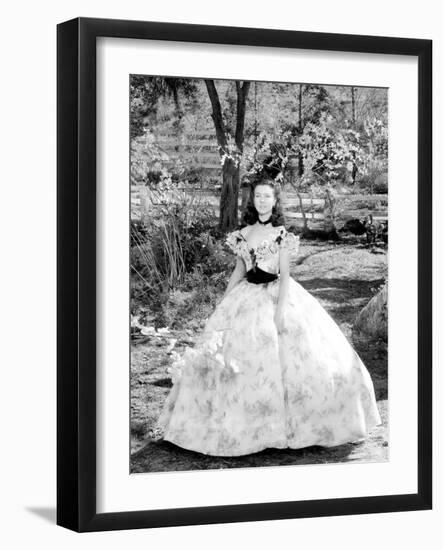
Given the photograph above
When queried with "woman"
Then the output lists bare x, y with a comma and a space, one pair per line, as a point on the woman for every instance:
272, 368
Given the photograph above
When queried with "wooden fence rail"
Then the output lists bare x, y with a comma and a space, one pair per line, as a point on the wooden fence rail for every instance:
288, 195
142, 201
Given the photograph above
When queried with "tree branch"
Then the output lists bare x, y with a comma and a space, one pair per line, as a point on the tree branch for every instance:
242, 94
217, 116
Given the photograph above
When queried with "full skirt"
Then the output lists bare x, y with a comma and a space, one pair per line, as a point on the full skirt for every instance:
245, 386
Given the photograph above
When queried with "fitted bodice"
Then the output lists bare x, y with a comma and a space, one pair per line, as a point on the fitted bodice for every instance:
266, 255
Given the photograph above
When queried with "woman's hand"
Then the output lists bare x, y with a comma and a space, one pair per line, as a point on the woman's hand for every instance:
237, 275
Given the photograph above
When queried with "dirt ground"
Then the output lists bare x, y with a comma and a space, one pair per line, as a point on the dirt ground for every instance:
343, 277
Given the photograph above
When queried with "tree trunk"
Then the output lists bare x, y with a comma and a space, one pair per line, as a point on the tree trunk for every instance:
177, 102
354, 170
329, 212
302, 210
216, 114
301, 167
228, 219
242, 94
255, 121
354, 120
353, 105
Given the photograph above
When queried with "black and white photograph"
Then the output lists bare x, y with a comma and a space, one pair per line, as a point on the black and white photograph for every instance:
258, 274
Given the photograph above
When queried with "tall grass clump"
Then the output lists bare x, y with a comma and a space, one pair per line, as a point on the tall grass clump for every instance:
176, 252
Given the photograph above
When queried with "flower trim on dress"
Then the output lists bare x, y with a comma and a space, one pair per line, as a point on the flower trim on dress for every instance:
288, 241
208, 353
265, 249
283, 239
236, 242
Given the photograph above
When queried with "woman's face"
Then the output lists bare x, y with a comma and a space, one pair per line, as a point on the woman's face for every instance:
264, 199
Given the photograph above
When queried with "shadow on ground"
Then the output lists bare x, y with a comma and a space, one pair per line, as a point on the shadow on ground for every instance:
342, 289
161, 456
48, 514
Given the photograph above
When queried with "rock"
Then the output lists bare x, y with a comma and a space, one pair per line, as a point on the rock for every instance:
377, 250
372, 321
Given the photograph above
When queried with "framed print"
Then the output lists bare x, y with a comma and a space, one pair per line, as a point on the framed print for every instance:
244, 274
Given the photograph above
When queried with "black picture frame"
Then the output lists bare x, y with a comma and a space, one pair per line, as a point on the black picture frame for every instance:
76, 274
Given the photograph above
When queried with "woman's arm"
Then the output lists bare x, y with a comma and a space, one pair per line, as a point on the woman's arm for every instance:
283, 287
237, 274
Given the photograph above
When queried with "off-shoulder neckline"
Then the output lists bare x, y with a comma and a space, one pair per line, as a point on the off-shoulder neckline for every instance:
277, 228
281, 230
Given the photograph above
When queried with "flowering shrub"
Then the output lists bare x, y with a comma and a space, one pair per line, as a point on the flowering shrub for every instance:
178, 262
230, 152
146, 159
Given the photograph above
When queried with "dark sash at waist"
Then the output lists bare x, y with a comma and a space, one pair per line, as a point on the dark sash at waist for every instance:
258, 276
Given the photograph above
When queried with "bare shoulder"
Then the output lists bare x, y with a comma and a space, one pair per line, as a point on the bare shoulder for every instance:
246, 230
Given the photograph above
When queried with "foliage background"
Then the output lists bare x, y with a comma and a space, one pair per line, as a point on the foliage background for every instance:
316, 139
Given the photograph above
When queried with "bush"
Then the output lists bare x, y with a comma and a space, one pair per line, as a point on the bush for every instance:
171, 243
190, 304
179, 264
381, 184
376, 180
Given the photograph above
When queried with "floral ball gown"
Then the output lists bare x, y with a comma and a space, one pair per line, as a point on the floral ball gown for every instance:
245, 386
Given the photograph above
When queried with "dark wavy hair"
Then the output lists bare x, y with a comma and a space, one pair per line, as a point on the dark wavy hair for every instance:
250, 214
